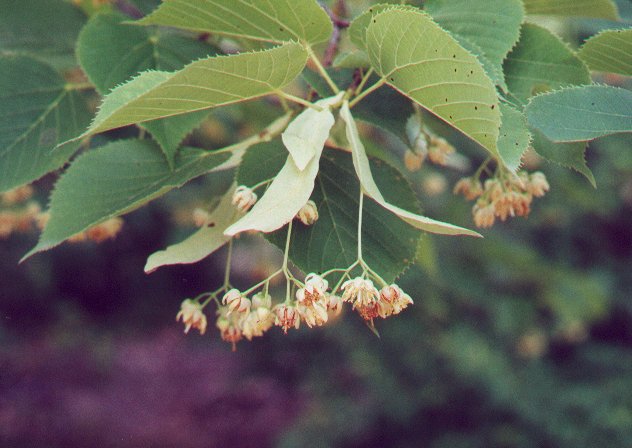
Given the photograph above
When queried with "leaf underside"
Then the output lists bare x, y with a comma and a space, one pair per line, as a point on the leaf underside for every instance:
116, 179
268, 20
598, 9
425, 63
207, 83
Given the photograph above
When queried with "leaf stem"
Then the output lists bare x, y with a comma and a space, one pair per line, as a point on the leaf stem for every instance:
360, 207
228, 264
298, 100
367, 92
322, 70
363, 82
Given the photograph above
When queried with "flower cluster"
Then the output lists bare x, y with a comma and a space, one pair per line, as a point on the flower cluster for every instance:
424, 144
313, 303
371, 303
18, 213
502, 197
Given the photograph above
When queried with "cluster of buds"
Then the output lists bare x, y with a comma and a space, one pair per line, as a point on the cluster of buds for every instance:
16, 214
19, 220
502, 197
244, 198
371, 303
107, 230
241, 317
424, 144
308, 214
17, 195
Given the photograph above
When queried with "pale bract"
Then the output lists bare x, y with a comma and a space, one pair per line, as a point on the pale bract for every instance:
370, 188
203, 242
307, 133
284, 198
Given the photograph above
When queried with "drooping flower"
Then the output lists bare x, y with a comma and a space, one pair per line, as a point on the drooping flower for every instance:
192, 316
236, 302
244, 198
393, 300
286, 317
308, 214
364, 296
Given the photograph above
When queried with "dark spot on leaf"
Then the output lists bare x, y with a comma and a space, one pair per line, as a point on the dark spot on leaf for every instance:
454, 70
475, 107
281, 29
446, 100
393, 79
210, 224
454, 56
493, 106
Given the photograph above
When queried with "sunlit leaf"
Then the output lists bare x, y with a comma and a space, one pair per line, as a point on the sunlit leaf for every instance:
203, 84
269, 20
357, 28
599, 9
37, 113
609, 51
440, 75
492, 25
363, 171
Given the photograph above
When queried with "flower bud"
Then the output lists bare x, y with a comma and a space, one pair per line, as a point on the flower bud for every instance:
244, 198
308, 214
261, 300
414, 160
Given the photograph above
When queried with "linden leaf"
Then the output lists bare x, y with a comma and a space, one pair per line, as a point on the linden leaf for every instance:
425, 63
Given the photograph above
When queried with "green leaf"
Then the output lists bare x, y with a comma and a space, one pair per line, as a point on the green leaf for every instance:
357, 28
569, 155
111, 52
609, 51
514, 136
287, 194
116, 179
211, 82
271, 20
542, 62
492, 25
46, 29
440, 75
38, 113
352, 59
202, 243
597, 9
581, 113
306, 135
388, 243
370, 188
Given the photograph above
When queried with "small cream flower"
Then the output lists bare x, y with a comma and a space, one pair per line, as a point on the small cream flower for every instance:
334, 304
314, 314
360, 291
308, 214
192, 316
538, 185
393, 300
286, 317
236, 302
229, 330
261, 300
244, 198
